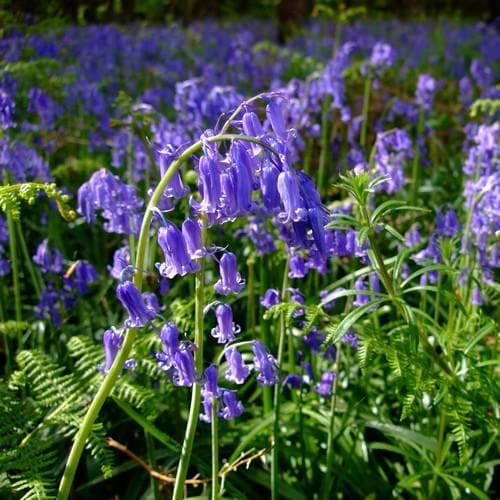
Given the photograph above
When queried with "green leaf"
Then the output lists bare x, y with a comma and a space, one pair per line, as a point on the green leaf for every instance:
401, 433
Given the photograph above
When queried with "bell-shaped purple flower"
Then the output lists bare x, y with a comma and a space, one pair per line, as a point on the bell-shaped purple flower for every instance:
192, 235
361, 299
238, 371
325, 386
169, 336
269, 187
314, 339
288, 189
121, 259
271, 298
211, 387
265, 364
447, 223
225, 330
184, 374
298, 268
230, 279
274, 112
177, 260
207, 404
231, 406
133, 302
209, 185
49, 261
293, 380
112, 340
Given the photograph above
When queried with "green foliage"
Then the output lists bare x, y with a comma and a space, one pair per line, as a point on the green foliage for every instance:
11, 196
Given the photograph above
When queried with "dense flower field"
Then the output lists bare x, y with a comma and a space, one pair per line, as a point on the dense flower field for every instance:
235, 269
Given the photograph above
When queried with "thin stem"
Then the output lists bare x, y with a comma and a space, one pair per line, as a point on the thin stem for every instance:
215, 451
439, 454
277, 393
35, 278
194, 409
416, 158
330, 455
366, 108
15, 273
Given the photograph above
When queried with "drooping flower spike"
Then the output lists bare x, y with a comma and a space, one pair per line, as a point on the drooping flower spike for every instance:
132, 300
230, 279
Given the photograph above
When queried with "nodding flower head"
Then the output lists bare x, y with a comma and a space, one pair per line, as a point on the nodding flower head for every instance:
230, 279
184, 374
298, 268
231, 406
177, 260
192, 235
361, 299
238, 371
211, 387
132, 300
49, 261
351, 338
121, 259
293, 205
274, 112
325, 386
169, 336
265, 364
225, 330
209, 185
271, 298
112, 340
447, 223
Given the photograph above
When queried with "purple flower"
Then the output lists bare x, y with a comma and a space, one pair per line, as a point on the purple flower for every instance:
361, 299
184, 374
211, 387
274, 112
121, 259
413, 236
132, 300
192, 236
297, 267
225, 330
238, 371
477, 299
271, 298
383, 55
293, 380
288, 189
265, 364
269, 187
232, 407
426, 89
447, 223
112, 340
7, 107
351, 338
325, 386
230, 279
314, 339
173, 246
209, 185
49, 262
169, 336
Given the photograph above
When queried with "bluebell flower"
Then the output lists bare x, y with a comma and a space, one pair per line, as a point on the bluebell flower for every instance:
192, 236
293, 380
361, 299
351, 338
265, 364
271, 298
230, 279
288, 189
7, 107
211, 386
133, 302
297, 266
209, 185
225, 330
83, 275
314, 339
49, 261
477, 299
274, 113
269, 187
169, 336
325, 386
447, 223
184, 373
231, 406
112, 340
426, 89
121, 259
174, 248
237, 371
413, 236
